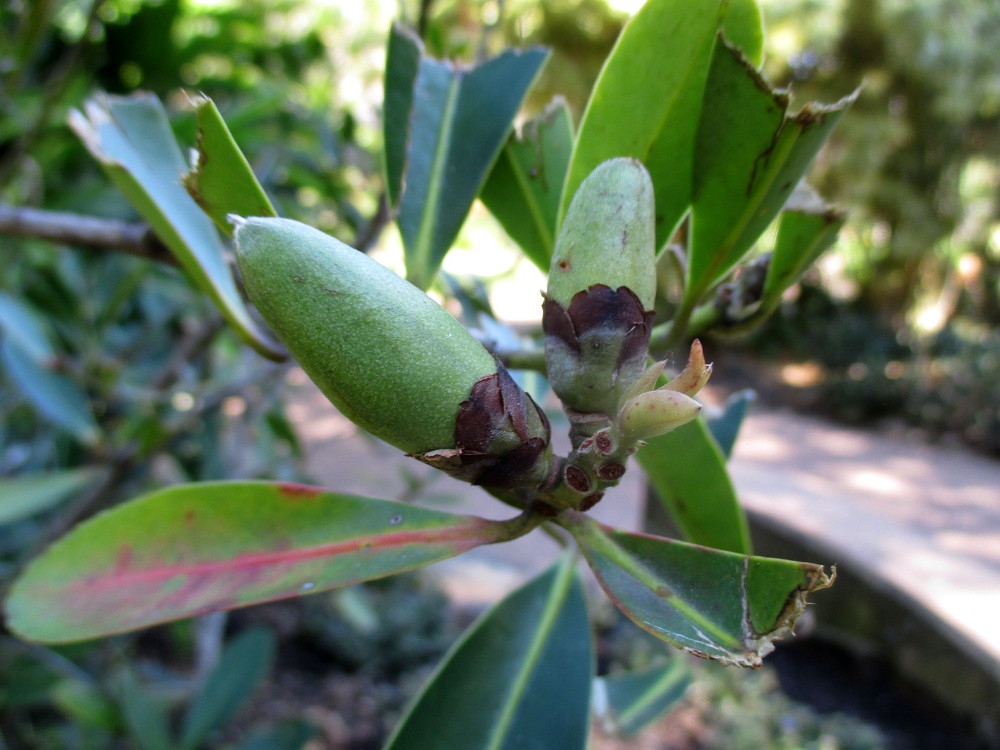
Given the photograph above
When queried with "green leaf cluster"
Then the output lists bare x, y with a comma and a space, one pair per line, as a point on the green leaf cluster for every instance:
725, 159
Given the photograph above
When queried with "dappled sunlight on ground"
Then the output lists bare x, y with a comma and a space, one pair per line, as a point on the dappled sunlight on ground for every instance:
986, 546
312, 414
876, 481
928, 488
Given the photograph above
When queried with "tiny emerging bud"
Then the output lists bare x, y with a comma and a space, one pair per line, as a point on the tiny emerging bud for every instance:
657, 412
646, 381
597, 313
391, 359
695, 373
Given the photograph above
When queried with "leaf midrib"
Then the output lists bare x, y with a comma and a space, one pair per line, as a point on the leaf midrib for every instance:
553, 605
425, 236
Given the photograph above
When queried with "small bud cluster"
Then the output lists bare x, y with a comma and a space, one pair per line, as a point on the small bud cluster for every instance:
597, 320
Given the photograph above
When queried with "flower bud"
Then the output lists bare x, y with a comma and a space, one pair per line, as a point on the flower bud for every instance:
392, 360
652, 413
695, 373
655, 413
597, 313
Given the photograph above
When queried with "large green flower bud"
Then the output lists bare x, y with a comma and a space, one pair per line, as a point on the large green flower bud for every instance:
392, 360
597, 313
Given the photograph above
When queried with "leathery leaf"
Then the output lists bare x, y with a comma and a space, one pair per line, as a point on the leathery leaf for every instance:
519, 679
713, 604
191, 549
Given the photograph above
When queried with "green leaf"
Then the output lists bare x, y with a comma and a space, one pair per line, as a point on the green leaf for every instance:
526, 182
28, 680
85, 703
743, 27
145, 716
222, 181
131, 138
27, 353
725, 427
686, 469
57, 397
631, 701
647, 102
713, 604
749, 156
440, 148
803, 235
197, 548
402, 65
26, 495
290, 735
245, 661
518, 680
22, 325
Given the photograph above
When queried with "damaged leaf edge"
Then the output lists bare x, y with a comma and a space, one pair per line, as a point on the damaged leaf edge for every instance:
759, 645
756, 645
192, 179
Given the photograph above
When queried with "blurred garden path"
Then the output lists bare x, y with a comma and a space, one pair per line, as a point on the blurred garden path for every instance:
920, 522
917, 522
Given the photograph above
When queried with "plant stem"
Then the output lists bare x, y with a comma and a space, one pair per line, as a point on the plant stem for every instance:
669, 334
133, 238
521, 359
518, 526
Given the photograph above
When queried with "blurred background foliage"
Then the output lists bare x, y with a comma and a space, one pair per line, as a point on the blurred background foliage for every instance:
898, 322
902, 318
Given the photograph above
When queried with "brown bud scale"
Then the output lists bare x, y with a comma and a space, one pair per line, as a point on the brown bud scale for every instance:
501, 436
577, 479
611, 472
596, 347
590, 501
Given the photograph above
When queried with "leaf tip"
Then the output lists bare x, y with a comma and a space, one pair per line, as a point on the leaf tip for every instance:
759, 645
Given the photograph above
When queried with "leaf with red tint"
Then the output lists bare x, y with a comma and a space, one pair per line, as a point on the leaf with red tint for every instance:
197, 548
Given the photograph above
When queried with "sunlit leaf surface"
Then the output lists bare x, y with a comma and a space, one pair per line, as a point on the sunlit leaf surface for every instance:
526, 182
222, 181
444, 126
132, 140
191, 549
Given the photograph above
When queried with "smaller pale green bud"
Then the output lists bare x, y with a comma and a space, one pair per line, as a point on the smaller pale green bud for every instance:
646, 381
648, 414
597, 314
655, 413
608, 236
